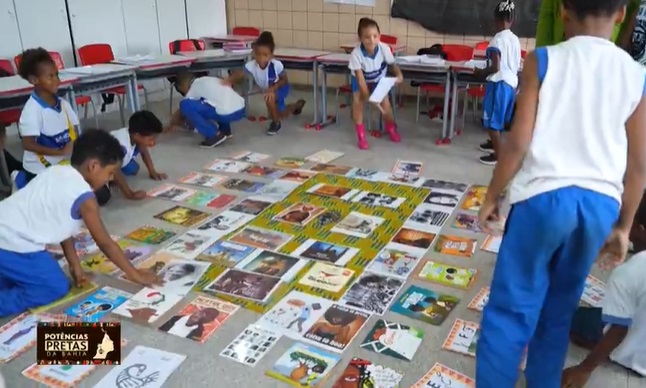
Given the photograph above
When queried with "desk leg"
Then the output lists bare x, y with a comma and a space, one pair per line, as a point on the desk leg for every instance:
133, 94
246, 97
454, 108
315, 87
71, 98
445, 113
324, 120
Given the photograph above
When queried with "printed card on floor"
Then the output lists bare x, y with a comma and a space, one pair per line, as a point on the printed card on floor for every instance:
99, 304
272, 264
231, 166
396, 260
171, 192
270, 240
156, 262
303, 366
293, 315
83, 244
147, 305
288, 162
456, 246
441, 376
204, 199
435, 184
324, 156
99, 263
279, 189
358, 225
182, 216
406, 180
180, 276
428, 218
150, 235
463, 338
336, 328
250, 157
202, 179
444, 198
143, 367
447, 275
425, 305
362, 173
326, 252
372, 292
340, 192
474, 198
468, 222
327, 277
225, 253
188, 245
243, 284
331, 169
299, 213
414, 238
393, 339
492, 244
407, 167
480, 300
200, 319
298, 176
72, 294
264, 171
594, 291
362, 373
222, 224
243, 185
329, 217
251, 345
19, 334
252, 205
376, 199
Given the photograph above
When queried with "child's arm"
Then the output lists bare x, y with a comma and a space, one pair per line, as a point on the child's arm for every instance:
30, 124
73, 262
397, 72
176, 120
390, 61
121, 181
545, 26
91, 217
357, 70
29, 144
148, 161
235, 77
493, 54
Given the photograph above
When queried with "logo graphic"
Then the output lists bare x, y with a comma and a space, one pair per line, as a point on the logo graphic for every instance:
78, 343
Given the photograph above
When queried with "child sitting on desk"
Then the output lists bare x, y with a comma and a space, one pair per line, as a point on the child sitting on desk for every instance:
369, 63
50, 210
270, 76
210, 105
47, 121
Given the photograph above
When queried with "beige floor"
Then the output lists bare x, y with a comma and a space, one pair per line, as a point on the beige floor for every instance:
177, 154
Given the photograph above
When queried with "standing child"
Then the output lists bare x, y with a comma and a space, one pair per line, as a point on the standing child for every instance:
270, 76
575, 160
369, 63
50, 210
47, 121
209, 106
503, 63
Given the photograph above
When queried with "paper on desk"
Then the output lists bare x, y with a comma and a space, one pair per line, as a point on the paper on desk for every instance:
382, 89
78, 70
476, 64
136, 59
428, 60
410, 58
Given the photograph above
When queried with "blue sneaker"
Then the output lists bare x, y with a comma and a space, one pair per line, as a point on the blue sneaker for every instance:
19, 180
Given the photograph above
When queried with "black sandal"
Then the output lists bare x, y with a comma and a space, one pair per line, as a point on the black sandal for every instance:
299, 107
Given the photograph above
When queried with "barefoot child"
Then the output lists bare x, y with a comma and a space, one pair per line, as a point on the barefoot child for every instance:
575, 160
50, 210
369, 63
269, 75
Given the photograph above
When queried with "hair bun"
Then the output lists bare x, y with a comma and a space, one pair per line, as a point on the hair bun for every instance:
506, 6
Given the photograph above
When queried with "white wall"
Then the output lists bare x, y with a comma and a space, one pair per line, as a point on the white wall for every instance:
11, 43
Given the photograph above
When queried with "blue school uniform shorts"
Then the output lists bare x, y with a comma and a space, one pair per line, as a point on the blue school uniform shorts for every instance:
498, 105
355, 85
281, 96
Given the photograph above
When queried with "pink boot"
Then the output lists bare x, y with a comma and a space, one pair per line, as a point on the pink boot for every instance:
361, 136
391, 130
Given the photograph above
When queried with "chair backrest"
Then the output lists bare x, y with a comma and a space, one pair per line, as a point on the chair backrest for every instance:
93, 54
180, 45
388, 39
457, 52
482, 45
7, 67
246, 31
56, 57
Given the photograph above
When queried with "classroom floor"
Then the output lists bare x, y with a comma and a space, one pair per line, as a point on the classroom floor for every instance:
177, 154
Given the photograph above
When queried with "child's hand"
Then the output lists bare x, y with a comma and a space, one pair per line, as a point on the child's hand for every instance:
270, 96
575, 377
78, 275
488, 214
614, 250
136, 195
158, 176
400, 79
146, 278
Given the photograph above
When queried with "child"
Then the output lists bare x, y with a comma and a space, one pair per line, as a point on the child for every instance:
51, 209
503, 58
209, 106
576, 161
270, 76
633, 36
623, 311
47, 121
369, 63
141, 133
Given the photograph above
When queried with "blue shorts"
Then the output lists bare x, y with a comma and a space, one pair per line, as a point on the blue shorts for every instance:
498, 105
355, 85
281, 96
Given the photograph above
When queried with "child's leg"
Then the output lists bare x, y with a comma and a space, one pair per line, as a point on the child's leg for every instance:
357, 117
225, 121
29, 280
497, 109
389, 119
200, 115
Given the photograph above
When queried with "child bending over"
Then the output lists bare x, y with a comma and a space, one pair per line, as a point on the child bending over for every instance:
269, 75
575, 160
210, 105
51, 209
47, 121
141, 134
369, 63
617, 329
503, 58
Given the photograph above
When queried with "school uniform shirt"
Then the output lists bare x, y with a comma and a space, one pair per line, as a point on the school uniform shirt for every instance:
373, 66
46, 211
223, 98
624, 304
130, 151
638, 37
266, 77
507, 45
50, 126
589, 88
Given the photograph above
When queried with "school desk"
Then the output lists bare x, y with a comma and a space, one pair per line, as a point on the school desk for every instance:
396, 48
217, 41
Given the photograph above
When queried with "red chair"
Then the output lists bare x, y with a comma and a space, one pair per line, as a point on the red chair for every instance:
178, 46
93, 54
246, 31
11, 116
482, 45
83, 101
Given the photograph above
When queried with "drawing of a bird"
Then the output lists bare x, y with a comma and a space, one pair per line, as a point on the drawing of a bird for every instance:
327, 274
131, 377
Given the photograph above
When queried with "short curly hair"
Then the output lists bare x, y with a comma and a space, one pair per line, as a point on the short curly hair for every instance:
31, 60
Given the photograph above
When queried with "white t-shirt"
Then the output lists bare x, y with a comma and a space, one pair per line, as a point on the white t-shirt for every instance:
624, 304
266, 77
130, 151
507, 45
374, 67
223, 98
50, 125
589, 90
46, 211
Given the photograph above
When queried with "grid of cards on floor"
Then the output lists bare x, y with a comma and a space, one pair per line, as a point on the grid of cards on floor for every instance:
323, 327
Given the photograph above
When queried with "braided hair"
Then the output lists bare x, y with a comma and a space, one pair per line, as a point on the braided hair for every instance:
505, 11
